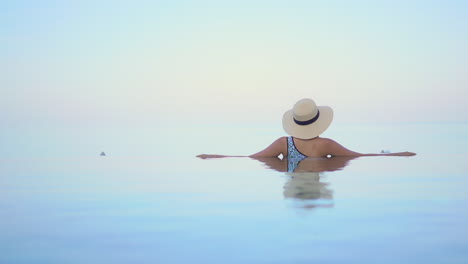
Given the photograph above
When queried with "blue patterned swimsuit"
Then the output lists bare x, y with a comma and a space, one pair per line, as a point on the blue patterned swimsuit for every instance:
294, 155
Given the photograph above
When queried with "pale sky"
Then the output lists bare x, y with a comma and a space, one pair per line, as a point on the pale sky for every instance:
85, 62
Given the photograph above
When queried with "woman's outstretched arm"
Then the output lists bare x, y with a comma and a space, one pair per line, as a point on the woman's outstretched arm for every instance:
336, 150
274, 150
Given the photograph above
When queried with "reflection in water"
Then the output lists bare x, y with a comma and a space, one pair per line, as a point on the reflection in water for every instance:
303, 182
307, 186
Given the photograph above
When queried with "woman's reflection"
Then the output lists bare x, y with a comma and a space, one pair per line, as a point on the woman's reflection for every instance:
303, 183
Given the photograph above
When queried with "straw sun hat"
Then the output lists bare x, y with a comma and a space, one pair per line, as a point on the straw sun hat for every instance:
307, 120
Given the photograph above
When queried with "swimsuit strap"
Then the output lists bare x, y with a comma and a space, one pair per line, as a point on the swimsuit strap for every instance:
294, 155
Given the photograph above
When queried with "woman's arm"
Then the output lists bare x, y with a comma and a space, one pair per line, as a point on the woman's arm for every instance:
274, 150
336, 150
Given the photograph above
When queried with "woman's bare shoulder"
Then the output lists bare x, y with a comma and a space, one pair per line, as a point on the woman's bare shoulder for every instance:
282, 139
324, 141
280, 142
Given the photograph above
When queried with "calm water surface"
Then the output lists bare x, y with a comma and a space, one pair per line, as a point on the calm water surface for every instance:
174, 208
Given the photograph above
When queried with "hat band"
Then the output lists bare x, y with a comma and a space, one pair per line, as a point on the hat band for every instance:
308, 122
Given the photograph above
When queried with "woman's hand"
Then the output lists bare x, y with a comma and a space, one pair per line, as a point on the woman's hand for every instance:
403, 154
210, 156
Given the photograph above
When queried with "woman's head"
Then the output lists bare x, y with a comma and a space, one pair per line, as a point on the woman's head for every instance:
306, 120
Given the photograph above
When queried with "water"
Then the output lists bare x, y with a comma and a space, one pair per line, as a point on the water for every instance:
156, 203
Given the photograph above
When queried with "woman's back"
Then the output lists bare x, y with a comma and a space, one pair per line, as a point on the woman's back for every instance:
308, 148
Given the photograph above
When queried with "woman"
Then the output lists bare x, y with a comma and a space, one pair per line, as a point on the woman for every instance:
304, 123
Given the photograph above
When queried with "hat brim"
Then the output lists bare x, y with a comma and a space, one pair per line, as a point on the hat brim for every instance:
308, 131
